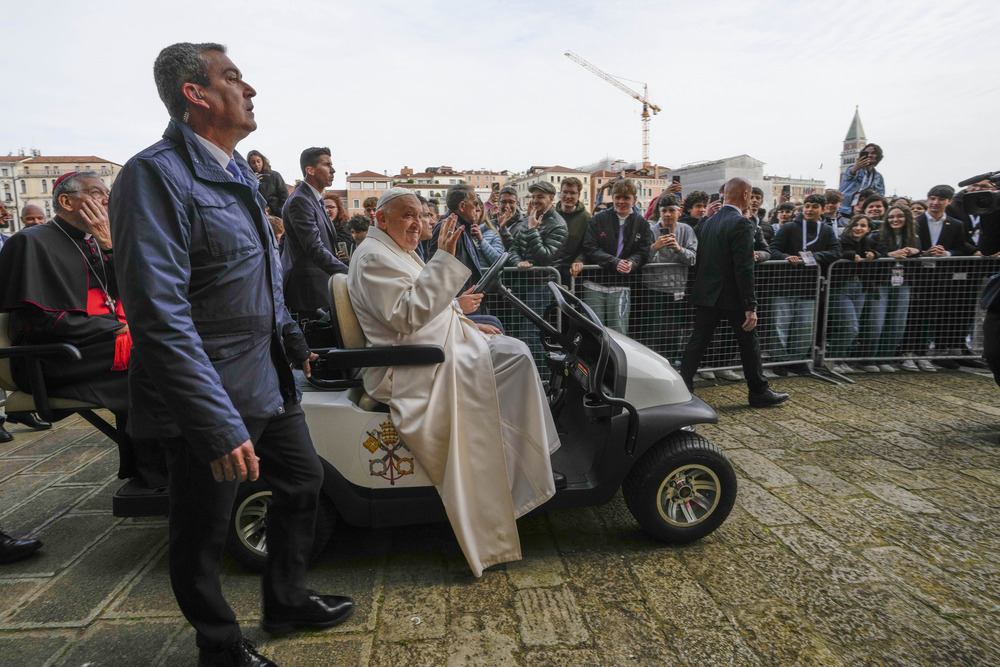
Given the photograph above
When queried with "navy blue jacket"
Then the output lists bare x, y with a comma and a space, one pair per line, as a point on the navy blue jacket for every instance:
600, 246
200, 279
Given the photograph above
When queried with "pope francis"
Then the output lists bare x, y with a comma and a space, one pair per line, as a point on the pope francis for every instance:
479, 422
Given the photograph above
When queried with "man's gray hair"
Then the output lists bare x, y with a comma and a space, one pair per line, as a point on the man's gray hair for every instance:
457, 194
70, 184
178, 64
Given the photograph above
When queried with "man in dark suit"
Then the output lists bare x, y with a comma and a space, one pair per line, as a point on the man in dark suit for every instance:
724, 289
311, 238
943, 298
198, 265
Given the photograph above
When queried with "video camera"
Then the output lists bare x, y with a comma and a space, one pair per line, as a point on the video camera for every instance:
981, 202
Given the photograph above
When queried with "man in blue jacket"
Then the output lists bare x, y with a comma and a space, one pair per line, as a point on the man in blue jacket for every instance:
201, 281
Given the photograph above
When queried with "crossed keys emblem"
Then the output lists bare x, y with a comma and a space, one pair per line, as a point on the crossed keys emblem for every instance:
391, 466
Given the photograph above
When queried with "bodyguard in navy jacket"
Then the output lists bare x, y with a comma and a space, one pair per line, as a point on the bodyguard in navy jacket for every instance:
200, 277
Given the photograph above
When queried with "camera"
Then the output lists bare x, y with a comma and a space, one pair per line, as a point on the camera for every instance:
981, 202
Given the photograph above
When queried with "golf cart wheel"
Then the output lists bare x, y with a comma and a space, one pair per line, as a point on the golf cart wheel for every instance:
247, 536
682, 489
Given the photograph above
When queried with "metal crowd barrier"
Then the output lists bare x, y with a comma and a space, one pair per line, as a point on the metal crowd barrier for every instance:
531, 287
656, 310
888, 310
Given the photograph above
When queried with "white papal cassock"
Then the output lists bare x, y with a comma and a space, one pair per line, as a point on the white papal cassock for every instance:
479, 422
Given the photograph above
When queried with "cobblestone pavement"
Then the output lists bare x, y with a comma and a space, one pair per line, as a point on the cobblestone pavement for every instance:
865, 532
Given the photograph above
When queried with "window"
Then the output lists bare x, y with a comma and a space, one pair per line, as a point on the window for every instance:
368, 185
24, 187
381, 185
357, 203
104, 170
57, 170
27, 170
78, 167
45, 185
48, 209
4, 172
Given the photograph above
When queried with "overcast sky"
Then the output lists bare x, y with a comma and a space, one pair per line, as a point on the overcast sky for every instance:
486, 85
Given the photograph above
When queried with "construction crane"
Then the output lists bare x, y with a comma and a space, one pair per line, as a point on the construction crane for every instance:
647, 106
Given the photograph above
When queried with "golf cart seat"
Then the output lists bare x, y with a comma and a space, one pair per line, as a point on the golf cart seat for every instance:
354, 352
19, 400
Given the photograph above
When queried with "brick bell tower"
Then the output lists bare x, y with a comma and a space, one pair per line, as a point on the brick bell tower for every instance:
853, 143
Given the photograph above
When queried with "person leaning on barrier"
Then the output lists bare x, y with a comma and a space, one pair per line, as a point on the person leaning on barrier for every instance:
850, 286
803, 242
198, 267
724, 289
478, 422
618, 241
942, 303
577, 217
663, 315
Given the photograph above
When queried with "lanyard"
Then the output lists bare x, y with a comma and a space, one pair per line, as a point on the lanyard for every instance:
815, 238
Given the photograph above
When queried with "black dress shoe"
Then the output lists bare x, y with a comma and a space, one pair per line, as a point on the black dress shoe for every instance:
241, 654
29, 419
947, 364
319, 611
559, 479
767, 398
5, 435
13, 549
972, 362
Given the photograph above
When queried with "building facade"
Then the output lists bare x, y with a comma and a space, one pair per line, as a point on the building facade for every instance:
553, 175
362, 185
30, 179
798, 189
710, 176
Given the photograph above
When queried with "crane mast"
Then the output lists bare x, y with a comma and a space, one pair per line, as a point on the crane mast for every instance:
647, 106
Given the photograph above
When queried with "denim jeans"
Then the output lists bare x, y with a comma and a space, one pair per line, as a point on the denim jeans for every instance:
889, 319
847, 303
613, 307
793, 328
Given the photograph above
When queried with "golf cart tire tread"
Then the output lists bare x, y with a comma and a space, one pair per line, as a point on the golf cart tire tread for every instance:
245, 559
643, 481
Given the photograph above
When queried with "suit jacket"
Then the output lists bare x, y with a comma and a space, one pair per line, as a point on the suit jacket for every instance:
310, 251
952, 235
600, 246
724, 268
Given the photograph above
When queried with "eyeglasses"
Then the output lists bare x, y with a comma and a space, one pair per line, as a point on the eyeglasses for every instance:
95, 192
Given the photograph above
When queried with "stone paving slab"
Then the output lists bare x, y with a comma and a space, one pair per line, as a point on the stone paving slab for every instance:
865, 532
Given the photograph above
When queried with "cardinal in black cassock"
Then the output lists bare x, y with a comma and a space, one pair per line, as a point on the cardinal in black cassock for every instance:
59, 286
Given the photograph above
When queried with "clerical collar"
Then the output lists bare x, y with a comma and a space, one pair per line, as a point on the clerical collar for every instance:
75, 234
316, 193
220, 155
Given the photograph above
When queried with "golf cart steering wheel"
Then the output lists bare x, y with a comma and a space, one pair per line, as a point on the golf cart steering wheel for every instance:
488, 279
577, 311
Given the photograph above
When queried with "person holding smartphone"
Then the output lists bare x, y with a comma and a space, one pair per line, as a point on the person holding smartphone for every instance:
861, 176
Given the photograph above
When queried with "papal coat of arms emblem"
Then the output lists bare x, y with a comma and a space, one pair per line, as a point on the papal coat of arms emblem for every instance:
385, 454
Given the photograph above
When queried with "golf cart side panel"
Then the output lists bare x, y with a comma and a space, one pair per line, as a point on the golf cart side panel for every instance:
362, 446
380, 508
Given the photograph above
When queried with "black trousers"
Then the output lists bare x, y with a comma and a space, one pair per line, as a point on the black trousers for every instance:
706, 319
200, 509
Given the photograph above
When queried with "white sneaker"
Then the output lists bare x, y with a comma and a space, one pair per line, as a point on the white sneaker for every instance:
768, 373
926, 365
869, 368
909, 365
730, 375
842, 369
887, 368
706, 375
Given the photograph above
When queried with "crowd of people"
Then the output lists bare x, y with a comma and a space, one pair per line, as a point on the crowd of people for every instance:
221, 269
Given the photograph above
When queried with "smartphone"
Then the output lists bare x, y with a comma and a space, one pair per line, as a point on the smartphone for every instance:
677, 179
713, 197
786, 190
342, 247
496, 185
